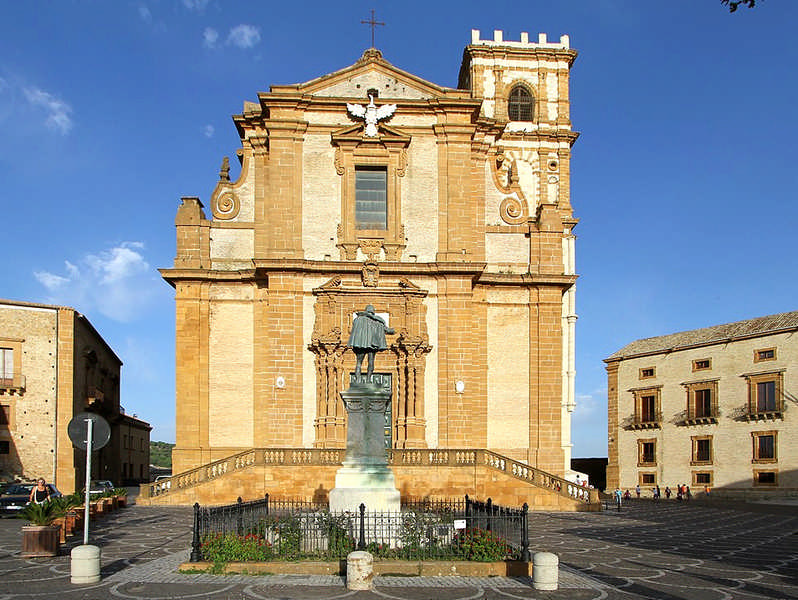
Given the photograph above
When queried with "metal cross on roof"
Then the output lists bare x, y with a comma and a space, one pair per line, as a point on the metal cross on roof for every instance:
373, 24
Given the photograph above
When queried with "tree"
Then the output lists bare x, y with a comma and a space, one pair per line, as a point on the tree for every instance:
735, 4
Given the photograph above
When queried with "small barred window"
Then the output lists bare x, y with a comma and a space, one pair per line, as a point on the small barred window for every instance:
520, 106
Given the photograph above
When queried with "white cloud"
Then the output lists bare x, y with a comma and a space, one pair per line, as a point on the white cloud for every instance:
196, 5
144, 13
50, 281
210, 37
208, 130
57, 110
244, 36
117, 282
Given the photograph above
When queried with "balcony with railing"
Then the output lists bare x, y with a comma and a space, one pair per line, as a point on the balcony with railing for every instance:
646, 420
765, 410
12, 385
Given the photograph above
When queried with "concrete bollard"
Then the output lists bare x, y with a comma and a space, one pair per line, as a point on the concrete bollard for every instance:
359, 571
85, 564
545, 571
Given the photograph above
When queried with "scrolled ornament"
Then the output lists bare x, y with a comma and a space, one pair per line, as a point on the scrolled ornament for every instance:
512, 211
226, 206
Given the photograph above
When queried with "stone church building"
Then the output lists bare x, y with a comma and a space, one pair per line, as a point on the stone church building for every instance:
448, 210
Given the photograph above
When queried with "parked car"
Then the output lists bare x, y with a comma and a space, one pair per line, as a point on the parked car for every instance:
15, 496
100, 486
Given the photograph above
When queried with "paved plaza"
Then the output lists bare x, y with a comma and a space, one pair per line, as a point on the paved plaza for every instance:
664, 550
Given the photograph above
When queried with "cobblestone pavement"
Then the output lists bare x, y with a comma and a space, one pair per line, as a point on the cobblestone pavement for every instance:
664, 550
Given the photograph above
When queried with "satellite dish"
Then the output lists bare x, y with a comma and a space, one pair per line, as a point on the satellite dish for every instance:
78, 430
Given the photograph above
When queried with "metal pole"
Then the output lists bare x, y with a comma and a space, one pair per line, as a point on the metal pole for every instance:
526, 555
195, 542
89, 426
361, 543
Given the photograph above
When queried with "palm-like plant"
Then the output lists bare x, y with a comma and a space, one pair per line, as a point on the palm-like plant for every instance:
43, 514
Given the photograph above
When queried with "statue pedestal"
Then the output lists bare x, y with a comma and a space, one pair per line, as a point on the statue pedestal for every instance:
365, 477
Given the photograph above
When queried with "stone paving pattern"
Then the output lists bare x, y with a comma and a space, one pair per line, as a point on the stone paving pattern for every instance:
666, 550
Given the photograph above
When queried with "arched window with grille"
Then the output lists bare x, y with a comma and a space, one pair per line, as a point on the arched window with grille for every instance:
521, 104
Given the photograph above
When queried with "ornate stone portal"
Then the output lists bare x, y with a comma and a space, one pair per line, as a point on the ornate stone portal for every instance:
404, 361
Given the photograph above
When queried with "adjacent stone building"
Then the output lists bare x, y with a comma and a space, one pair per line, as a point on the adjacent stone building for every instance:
447, 209
54, 365
710, 407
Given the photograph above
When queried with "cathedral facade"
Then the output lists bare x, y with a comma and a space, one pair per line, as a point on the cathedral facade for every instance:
446, 209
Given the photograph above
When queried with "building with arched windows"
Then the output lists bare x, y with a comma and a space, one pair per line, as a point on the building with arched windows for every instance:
448, 210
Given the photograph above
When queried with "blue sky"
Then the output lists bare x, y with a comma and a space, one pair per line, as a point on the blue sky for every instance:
682, 177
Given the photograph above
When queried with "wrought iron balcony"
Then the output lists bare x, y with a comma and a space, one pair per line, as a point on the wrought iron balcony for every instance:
650, 421
12, 385
768, 414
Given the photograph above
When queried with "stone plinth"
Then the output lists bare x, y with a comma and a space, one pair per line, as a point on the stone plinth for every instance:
365, 476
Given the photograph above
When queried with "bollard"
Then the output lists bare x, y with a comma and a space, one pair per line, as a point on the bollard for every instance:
85, 565
545, 566
359, 570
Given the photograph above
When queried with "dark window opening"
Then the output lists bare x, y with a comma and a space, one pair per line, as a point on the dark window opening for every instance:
766, 396
648, 451
648, 406
520, 104
703, 403
703, 451
704, 478
371, 198
766, 447
766, 477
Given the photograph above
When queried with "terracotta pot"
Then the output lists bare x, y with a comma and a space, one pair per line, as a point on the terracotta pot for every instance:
61, 524
69, 522
40, 540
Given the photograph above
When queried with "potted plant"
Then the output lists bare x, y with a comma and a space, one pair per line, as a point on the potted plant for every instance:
65, 506
41, 537
121, 496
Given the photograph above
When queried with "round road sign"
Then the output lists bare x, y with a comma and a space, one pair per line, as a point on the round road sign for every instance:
78, 430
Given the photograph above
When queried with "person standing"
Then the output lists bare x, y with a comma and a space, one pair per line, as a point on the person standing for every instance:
618, 498
637, 490
667, 493
40, 493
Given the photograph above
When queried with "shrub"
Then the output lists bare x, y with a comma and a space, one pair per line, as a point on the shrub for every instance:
482, 546
223, 548
42, 514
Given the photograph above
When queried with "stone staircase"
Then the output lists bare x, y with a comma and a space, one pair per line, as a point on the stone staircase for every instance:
309, 473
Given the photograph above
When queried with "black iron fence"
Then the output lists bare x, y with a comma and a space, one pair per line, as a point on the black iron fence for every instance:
266, 529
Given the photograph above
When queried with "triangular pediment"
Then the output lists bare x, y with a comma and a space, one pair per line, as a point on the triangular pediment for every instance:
372, 72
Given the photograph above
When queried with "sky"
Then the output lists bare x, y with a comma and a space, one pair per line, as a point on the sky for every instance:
682, 177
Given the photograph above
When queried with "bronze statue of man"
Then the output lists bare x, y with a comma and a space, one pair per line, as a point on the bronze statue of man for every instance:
367, 337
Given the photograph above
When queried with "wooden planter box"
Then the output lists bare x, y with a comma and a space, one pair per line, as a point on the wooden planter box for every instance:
40, 540
122, 500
